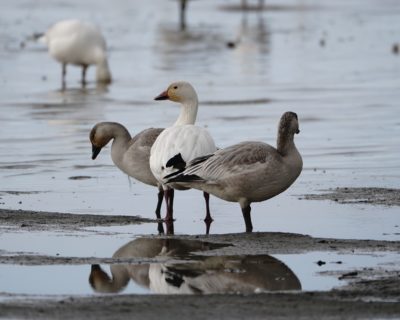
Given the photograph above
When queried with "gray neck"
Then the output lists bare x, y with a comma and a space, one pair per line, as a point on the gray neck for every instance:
120, 143
120, 279
188, 112
285, 143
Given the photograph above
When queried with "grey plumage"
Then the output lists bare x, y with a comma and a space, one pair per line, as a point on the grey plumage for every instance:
248, 171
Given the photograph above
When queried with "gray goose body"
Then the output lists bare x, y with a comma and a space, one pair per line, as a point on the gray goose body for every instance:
248, 171
130, 155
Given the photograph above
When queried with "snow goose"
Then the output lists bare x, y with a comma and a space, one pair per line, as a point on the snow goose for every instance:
248, 171
78, 43
130, 155
180, 143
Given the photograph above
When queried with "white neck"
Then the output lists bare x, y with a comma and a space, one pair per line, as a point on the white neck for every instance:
103, 73
188, 112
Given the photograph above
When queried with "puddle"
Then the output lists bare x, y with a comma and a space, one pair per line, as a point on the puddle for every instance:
181, 272
199, 275
182, 269
77, 244
321, 270
346, 104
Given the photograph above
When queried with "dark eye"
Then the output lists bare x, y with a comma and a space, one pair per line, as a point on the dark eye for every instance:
176, 87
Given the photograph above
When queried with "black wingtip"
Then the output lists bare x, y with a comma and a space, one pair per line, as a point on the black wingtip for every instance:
176, 162
183, 178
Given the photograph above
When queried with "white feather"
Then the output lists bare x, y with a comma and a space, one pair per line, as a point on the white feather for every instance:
188, 140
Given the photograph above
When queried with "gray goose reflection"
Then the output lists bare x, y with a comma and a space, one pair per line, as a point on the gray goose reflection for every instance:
198, 275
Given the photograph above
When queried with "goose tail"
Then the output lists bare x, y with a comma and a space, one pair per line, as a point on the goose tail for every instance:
188, 172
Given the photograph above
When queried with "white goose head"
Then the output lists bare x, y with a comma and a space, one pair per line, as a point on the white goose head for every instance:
183, 93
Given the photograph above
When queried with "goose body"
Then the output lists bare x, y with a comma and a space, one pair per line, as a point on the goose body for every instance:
130, 155
78, 43
188, 141
181, 143
248, 171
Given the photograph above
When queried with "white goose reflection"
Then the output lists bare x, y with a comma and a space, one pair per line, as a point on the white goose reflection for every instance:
198, 275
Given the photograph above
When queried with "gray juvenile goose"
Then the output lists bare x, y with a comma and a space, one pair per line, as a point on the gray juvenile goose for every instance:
248, 171
130, 155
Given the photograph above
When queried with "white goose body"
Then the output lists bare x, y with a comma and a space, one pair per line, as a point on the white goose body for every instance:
249, 171
78, 43
187, 140
181, 143
183, 137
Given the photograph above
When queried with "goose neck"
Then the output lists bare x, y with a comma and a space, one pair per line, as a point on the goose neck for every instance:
120, 144
285, 144
103, 73
188, 112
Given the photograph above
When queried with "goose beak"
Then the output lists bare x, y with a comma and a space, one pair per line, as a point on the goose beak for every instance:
298, 131
162, 96
95, 151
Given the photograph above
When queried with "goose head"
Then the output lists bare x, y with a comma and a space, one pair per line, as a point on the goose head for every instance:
288, 127
98, 278
181, 92
99, 136
289, 124
100, 281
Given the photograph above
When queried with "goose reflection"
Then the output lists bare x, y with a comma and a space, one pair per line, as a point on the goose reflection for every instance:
198, 275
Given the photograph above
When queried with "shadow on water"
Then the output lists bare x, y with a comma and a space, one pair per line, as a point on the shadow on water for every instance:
198, 275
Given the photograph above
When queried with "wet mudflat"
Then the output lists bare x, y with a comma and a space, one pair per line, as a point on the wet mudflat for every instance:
336, 230
251, 273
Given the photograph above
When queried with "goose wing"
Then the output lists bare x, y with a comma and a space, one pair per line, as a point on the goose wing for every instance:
237, 159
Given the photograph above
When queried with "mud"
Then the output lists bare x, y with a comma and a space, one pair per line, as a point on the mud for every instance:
374, 196
332, 305
52, 221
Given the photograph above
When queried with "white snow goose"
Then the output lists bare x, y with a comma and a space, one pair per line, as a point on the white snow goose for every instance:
248, 171
130, 155
179, 144
78, 43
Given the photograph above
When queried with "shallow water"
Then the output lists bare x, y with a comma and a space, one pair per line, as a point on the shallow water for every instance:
329, 62
184, 270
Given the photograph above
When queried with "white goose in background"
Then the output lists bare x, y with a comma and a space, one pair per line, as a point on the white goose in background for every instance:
249, 171
78, 43
130, 155
179, 144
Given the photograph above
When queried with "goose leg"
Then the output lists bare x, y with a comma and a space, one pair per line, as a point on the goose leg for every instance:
170, 226
169, 201
159, 202
158, 210
208, 219
169, 218
63, 74
84, 69
247, 218
183, 20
